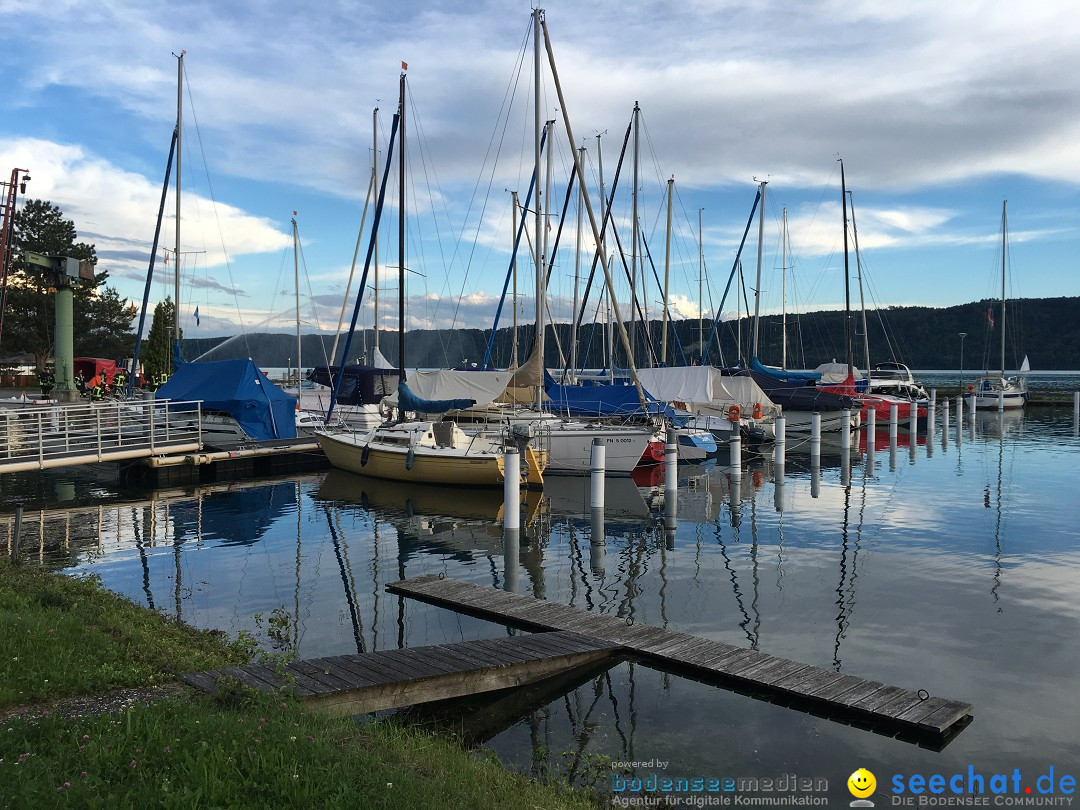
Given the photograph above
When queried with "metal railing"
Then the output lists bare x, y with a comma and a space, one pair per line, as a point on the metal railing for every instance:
39, 437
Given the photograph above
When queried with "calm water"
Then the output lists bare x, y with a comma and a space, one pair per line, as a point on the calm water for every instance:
952, 566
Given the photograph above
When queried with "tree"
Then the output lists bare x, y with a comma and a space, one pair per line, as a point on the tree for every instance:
102, 320
155, 354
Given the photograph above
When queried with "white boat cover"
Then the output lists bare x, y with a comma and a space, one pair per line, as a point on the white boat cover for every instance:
836, 372
703, 385
681, 384
482, 386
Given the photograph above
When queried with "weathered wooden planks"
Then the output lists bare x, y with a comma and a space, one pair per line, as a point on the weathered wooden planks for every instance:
356, 684
830, 693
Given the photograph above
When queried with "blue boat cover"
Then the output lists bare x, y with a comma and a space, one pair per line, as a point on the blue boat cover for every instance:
599, 400
805, 377
408, 401
238, 388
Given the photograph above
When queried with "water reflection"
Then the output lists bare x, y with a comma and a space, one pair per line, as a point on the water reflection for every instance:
896, 574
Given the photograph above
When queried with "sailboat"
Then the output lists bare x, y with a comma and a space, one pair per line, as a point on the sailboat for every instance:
994, 389
420, 451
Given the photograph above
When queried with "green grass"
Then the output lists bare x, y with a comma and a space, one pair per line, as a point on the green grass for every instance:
63, 637
264, 752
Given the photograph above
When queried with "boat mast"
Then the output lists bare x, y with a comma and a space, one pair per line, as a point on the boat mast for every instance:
858, 270
296, 275
401, 227
700, 298
783, 297
538, 258
375, 184
1004, 228
667, 275
577, 280
760, 253
513, 264
176, 251
634, 233
847, 280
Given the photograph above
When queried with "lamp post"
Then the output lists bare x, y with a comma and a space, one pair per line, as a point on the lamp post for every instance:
962, 336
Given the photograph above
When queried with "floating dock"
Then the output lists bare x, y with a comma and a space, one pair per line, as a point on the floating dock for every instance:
388, 679
888, 709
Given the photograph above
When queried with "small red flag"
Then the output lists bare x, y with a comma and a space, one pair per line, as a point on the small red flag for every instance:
404, 65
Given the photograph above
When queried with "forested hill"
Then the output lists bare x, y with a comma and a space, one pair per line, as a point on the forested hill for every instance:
1045, 329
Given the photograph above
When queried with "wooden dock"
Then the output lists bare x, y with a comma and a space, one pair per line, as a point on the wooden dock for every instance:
356, 684
888, 709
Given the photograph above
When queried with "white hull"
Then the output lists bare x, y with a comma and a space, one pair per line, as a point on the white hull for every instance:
994, 391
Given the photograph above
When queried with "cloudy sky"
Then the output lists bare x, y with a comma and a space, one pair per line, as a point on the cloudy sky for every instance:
940, 112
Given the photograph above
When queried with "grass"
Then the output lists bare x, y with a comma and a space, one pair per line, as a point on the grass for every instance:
63, 637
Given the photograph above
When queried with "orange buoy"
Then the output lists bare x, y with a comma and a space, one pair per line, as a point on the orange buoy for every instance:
734, 413
757, 410
971, 388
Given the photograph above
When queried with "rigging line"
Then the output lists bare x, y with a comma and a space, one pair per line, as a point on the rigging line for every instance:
217, 217
510, 91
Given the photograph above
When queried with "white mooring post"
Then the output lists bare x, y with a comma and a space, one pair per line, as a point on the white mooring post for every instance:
511, 490
815, 436
845, 429
960, 417
893, 422
597, 463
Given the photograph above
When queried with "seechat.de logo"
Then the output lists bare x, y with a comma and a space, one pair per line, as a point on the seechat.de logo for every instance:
862, 784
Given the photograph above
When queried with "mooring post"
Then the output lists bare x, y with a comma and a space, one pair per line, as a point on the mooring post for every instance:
16, 533
960, 417
845, 429
596, 542
511, 490
1001, 400
671, 464
597, 463
933, 396
893, 422
735, 455
815, 436
780, 440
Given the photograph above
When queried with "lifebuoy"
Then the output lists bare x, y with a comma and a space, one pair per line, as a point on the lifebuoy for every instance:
757, 410
734, 413
971, 388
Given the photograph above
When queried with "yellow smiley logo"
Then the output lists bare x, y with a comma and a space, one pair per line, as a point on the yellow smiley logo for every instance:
861, 783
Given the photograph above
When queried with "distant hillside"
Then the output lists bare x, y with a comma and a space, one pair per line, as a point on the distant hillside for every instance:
1046, 329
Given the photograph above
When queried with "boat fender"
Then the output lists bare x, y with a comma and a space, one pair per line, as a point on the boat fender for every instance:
757, 410
364, 455
409, 458
971, 388
734, 413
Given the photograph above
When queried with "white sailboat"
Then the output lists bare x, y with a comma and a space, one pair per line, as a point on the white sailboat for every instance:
993, 390
421, 451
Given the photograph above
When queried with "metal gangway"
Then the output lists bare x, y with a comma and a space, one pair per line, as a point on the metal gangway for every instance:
38, 437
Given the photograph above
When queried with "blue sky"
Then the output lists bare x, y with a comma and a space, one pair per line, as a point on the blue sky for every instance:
940, 112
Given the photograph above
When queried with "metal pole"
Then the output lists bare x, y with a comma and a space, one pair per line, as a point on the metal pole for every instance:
16, 533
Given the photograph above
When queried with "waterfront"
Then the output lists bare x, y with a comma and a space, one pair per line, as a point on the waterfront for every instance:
951, 570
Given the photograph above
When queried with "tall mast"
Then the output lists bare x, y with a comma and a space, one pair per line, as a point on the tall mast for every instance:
760, 253
1004, 227
401, 227
375, 184
296, 274
179, 163
667, 276
538, 258
847, 279
634, 233
783, 297
700, 273
577, 281
513, 264
858, 270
